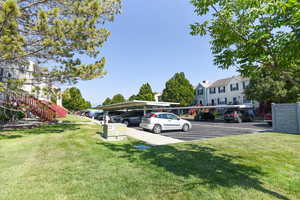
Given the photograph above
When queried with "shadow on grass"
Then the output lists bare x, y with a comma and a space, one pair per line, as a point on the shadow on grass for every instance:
214, 169
46, 129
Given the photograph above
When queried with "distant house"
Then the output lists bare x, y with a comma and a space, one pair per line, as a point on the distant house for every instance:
224, 91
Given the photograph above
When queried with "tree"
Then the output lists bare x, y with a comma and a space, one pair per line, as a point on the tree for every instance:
253, 35
58, 32
118, 98
73, 100
179, 89
107, 101
133, 97
264, 87
145, 93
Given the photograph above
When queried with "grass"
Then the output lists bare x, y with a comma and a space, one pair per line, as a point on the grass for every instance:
70, 162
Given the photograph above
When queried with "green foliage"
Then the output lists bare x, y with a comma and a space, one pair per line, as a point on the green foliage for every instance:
107, 101
7, 114
73, 100
132, 97
118, 98
145, 93
253, 35
179, 89
265, 87
59, 32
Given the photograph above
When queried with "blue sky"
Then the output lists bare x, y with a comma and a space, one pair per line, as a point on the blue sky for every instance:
150, 42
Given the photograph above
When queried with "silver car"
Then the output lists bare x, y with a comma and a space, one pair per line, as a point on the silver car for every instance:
162, 121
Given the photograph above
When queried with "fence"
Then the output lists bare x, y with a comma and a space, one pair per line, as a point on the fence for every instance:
286, 117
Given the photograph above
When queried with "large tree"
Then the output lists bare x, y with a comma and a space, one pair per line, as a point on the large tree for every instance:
118, 98
179, 89
60, 33
107, 101
145, 93
133, 97
267, 88
73, 100
253, 35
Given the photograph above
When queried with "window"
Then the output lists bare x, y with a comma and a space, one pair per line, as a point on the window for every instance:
225, 100
200, 91
221, 89
245, 85
172, 117
218, 101
235, 101
163, 116
234, 87
212, 90
1, 74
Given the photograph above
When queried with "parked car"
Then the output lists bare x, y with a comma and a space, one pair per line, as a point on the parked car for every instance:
131, 118
268, 118
115, 116
161, 121
99, 116
205, 116
239, 115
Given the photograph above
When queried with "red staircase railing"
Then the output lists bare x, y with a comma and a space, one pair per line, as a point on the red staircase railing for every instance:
35, 106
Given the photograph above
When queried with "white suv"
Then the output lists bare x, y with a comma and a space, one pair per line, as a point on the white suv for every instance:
161, 121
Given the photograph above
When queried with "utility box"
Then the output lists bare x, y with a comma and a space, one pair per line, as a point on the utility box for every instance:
286, 117
114, 132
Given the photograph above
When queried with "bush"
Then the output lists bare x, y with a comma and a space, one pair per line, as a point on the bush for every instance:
7, 114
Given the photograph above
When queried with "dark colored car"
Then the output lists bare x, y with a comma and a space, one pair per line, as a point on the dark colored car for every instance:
99, 116
239, 116
204, 116
132, 118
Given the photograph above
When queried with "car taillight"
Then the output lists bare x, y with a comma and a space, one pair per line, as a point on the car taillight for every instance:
153, 115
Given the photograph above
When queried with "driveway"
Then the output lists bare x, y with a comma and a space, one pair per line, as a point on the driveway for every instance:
202, 130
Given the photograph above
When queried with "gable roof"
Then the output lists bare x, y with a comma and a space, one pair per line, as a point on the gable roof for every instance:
203, 84
226, 81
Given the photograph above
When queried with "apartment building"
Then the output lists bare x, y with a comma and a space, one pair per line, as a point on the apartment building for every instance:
228, 91
31, 85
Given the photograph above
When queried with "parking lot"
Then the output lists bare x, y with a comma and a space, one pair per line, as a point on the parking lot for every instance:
202, 130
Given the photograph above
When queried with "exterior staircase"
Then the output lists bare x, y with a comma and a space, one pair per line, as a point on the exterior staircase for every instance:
44, 110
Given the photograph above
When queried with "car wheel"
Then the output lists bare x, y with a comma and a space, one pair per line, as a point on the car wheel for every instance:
185, 128
126, 123
157, 129
270, 123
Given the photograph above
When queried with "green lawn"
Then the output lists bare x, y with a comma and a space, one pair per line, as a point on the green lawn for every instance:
68, 162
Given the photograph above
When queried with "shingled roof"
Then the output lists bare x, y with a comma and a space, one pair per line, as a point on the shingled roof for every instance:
225, 81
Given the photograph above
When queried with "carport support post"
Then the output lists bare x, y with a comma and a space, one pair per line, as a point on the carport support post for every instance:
145, 110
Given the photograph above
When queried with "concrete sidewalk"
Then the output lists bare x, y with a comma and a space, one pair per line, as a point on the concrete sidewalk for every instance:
147, 137
150, 138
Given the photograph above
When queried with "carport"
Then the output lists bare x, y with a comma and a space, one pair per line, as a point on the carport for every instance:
138, 105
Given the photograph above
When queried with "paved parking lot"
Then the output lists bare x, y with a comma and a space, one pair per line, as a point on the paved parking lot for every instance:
203, 130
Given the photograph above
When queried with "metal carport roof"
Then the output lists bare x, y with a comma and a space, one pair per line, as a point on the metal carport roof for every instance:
136, 104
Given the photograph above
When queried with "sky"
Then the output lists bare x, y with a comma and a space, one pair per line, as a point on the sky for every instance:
150, 41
